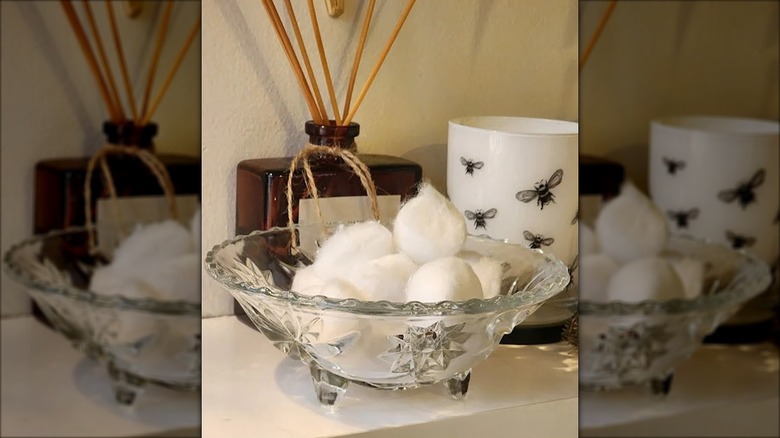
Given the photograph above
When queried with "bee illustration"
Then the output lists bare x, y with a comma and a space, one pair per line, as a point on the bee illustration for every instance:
471, 165
672, 166
542, 190
479, 217
576, 216
744, 192
537, 240
739, 241
682, 217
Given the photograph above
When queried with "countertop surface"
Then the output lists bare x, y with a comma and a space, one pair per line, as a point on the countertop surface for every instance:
252, 389
722, 390
51, 389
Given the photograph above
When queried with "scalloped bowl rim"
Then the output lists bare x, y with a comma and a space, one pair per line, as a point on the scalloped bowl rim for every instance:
87, 296
731, 295
351, 305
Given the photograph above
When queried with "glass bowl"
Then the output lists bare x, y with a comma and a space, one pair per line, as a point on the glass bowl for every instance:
142, 341
627, 344
379, 344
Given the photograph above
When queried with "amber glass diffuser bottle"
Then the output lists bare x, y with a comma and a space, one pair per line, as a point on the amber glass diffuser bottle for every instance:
59, 182
261, 184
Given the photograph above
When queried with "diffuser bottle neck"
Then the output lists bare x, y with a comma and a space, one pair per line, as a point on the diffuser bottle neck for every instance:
332, 135
128, 134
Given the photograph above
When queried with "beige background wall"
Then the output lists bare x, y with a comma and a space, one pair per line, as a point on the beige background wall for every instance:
659, 58
51, 107
453, 58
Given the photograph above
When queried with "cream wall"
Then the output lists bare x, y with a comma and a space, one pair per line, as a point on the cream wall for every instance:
664, 58
51, 107
453, 58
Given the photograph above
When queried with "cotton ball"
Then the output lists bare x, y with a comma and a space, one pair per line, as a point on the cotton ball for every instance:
175, 279
354, 245
595, 271
338, 288
589, 243
383, 278
691, 272
429, 226
488, 270
308, 281
151, 244
339, 325
648, 278
109, 281
444, 279
631, 227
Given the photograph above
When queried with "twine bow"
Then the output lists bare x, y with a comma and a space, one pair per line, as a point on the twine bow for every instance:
146, 157
357, 166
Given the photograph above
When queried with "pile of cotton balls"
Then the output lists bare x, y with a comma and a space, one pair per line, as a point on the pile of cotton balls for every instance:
158, 261
421, 259
621, 259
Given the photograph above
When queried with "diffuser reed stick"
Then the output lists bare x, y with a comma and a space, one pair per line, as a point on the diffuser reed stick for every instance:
321, 48
281, 33
122, 63
81, 36
381, 60
306, 62
103, 59
358, 55
156, 56
172, 72
597, 33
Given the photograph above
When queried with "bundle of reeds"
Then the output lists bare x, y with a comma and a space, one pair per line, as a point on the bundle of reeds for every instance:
101, 69
308, 82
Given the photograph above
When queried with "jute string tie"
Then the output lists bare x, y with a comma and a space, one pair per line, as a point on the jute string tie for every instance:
99, 158
358, 168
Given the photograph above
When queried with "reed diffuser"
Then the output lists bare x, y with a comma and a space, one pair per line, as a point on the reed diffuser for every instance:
261, 198
60, 201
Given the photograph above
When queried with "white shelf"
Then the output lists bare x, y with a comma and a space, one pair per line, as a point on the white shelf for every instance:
252, 389
50, 389
720, 391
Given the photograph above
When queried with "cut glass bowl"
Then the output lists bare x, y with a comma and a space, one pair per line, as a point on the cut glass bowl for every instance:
141, 341
379, 344
627, 344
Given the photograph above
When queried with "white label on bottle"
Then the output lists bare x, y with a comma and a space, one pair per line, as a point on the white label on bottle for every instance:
343, 210
117, 218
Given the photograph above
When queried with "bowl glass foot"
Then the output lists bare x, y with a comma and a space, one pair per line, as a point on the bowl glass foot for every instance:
329, 387
458, 385
126, 386
661, 386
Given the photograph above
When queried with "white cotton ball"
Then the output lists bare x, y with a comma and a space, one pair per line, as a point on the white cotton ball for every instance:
384, 278
354, 245
429, 226
195, 231
589, 243
308, 281
488, 270
444, 279
150, 244
595, 271
649, 278
109, 281
338, 288
691, 272
176, 279
630, 226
